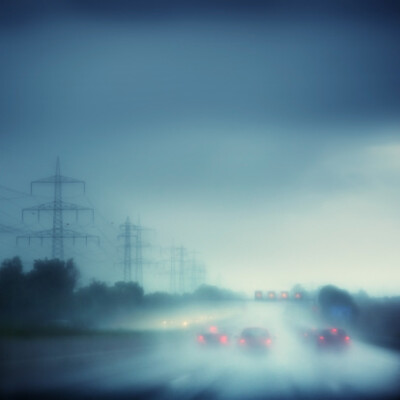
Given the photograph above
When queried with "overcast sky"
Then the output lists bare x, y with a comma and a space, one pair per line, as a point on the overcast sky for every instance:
264, 135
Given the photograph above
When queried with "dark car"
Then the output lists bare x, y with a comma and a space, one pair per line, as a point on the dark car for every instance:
255, 338
213, 337
332, 338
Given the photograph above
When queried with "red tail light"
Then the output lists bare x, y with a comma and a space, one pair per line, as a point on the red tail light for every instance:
213, 329
334, 331
347, 338
242, 341
200, 339
268, 341
321, 338
223, 339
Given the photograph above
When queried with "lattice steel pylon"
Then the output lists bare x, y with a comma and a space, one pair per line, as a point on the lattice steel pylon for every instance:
138, 255
202, 274
194, 272
172, 277
58, 233
181, 275
129, 233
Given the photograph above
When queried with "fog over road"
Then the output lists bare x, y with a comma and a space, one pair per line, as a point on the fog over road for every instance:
170, 364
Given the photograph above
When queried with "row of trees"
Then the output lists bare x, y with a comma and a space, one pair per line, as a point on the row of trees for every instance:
49, 294
39, 294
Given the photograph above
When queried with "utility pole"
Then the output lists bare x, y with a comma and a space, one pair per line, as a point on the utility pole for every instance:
194, 272
181, 281
202, 274
184, 273
132, 232
58, 233
138, 255
168, 267
127, 234
172, 277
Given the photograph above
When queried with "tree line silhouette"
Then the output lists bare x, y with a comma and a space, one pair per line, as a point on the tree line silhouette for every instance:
48, 294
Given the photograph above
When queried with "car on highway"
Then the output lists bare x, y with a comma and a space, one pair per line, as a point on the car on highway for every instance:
327, 338
213, 337
333, 338
255, 338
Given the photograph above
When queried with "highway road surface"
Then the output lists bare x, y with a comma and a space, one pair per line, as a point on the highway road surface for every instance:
168, 364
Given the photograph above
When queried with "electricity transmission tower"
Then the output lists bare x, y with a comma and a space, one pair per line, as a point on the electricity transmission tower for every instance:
58, 233
127, 234
202, 274
181, 273
172, 279
184, 272
132, 232
138, 255
167, 267
194, 272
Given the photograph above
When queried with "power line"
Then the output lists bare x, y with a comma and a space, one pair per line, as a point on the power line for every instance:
22, 194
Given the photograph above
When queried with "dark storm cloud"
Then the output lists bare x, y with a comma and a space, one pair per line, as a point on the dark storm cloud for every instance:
206, 116
177, 94
100, 74
25, 9
78, 63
